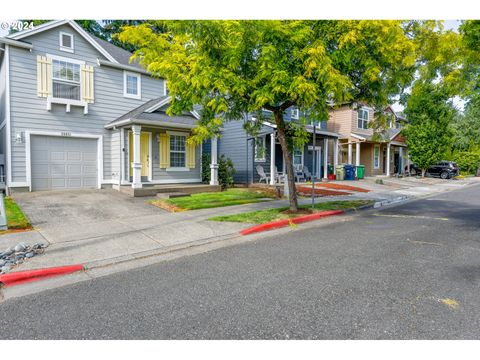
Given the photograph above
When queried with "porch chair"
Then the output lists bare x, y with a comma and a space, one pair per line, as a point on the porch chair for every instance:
299, 174
279, 177
262, 174
307, 173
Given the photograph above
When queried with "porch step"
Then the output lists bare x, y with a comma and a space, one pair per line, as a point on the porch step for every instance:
153, 190
172, 195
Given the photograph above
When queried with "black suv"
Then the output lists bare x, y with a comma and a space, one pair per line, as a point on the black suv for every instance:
443, 169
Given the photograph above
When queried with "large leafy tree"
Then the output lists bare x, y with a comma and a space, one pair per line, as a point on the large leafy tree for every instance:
430, 114
232, 68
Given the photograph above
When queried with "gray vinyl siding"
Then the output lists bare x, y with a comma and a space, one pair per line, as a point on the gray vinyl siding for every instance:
161, 174
28, 111
233, 144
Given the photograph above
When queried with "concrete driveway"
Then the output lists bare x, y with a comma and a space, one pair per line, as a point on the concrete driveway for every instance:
47, 209
86, 226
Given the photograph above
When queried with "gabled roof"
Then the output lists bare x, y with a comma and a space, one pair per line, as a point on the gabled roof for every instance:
153, 112
53, 24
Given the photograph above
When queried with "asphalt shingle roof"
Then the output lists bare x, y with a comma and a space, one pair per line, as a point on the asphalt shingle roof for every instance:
119, 54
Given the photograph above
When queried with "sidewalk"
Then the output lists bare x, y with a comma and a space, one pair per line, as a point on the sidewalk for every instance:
126, 237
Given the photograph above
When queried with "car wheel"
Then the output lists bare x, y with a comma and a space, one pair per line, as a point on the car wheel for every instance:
444, 175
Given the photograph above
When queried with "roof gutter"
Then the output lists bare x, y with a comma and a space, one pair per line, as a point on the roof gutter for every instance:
16, 43
122, 67
168, 124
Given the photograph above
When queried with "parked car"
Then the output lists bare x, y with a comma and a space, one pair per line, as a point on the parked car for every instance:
443, 169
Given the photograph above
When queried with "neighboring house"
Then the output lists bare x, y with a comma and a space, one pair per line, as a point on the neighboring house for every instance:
248, 152
76, 113
358, 145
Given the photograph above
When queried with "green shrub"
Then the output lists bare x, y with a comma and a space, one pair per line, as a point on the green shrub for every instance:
467, 161
226, 170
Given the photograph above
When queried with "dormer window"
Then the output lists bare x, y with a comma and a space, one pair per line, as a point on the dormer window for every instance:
132, 85
66, 42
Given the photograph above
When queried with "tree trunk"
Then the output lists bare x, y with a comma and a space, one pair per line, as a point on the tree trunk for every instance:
287, 156
423, 173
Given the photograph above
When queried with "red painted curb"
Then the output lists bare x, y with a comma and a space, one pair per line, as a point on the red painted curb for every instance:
286, 222
22, 277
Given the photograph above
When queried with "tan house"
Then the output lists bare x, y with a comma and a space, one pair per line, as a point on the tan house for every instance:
358, 145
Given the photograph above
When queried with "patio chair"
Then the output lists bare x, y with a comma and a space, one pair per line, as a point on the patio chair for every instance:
299, 175
262, 174
307, 173
279, 177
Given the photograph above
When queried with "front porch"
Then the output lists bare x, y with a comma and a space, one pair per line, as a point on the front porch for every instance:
311, 160
155, 153
380, 158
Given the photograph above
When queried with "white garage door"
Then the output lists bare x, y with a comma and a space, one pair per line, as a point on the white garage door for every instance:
63, 163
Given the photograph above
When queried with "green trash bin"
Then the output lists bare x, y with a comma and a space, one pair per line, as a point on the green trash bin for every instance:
360, 172
340, 172
330, 169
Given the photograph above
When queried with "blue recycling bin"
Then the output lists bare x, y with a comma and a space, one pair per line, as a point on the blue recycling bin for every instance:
349, 172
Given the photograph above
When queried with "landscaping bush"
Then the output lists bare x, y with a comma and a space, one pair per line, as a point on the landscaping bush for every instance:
226, 170
467, 161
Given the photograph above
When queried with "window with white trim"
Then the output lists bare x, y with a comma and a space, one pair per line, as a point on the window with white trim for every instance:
178, 151
65, 80
362, 118
376, 157
295, 114
260, 148
132, 85
66, 42
297, 157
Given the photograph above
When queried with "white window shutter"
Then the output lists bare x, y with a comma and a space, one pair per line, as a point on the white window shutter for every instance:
44, 76
87, 83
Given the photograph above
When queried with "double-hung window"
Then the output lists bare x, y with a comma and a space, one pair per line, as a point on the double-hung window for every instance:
260, 149
297, 157
362, 118
65, 80
132, 85
178, 151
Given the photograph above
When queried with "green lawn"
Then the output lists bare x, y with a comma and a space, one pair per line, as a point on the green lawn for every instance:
16, 219
215, 199
264, 216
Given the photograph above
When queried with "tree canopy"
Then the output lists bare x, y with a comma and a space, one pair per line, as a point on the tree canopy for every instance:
232, 68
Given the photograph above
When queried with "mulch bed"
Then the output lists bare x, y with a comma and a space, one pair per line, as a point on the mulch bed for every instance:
165, 206
342, 187
306, 191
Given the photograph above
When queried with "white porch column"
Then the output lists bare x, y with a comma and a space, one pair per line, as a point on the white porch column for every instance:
136, 165
400, 160
335, 154
387, 171
325, 158
214, 162
272, 158
349, 152
357, 153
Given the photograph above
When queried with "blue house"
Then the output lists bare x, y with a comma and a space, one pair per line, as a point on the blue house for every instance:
264, 150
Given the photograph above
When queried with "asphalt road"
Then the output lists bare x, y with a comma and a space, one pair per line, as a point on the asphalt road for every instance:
408, 272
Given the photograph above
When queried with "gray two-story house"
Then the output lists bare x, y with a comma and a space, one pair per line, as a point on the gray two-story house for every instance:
75, 112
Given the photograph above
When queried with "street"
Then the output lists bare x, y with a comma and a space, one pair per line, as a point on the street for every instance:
407, 272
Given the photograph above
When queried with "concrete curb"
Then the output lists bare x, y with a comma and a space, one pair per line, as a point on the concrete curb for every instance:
286, 222
390, 201
21, 277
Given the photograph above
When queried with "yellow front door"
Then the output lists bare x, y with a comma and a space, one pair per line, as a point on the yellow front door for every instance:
144, 152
